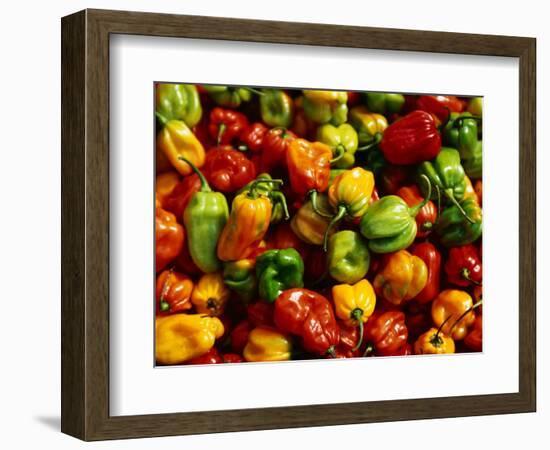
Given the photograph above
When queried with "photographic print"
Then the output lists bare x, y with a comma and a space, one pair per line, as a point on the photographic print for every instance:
299, 224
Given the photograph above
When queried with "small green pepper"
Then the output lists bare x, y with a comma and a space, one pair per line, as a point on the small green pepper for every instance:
453, 230
178, 102
475, 106
204, 219
278, 270
348, 257
343, 142
383, 103
240, 277
389, 223
229, 96
462, 132
276, 108
326, 106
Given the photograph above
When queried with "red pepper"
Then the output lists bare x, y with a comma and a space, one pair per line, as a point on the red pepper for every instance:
308, 166
428, 253
349, 336
309, 315
411, 139
173, 292
426, 217
354, 98
177, 200
231, 358
226, 125
239, 336
276, 142
284, 237
392, 178
169, 237
386, 332
253, 137
210, 357
474, 339
440, 105
260, 314
227, 170
463, 266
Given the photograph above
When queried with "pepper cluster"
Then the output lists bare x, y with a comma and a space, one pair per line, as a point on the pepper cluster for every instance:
300, 224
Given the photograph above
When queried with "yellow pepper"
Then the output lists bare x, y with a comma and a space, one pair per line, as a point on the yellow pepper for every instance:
402, 277
369, 126
434, 342
181, 337
210, 294
267, 344
354, 304
352, 191
165, 184
452, 310
309, 226
325, 96
247, 225
470, 192
176, 140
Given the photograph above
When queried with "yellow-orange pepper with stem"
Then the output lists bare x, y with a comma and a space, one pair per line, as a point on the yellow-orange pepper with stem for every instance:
175, 141
210, 294
402, 277
267, 344
453, 311
354, 304
434, 342
310, 226
181, 337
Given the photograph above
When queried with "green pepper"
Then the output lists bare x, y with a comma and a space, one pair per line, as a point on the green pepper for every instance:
453, 230
380, 102
447, 175
270, 190
204, 219
369, 126
229, 96
240, 277
389, 223
326, 106
343, 142
276, 108
348, 257
278, 270
469, 147
473, 165
178, 102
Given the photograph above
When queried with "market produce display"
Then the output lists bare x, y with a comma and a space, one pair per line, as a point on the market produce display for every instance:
309, 224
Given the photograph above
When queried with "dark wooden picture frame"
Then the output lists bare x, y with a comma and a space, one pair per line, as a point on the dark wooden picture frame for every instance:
85, 224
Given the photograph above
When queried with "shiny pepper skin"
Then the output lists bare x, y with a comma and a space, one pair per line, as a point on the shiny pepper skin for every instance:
429, 253
351, 191
176, 140
474, 339
452, 304
308, 166
210, 295
228, 170
173, 292
433, 343
426, 216
267, 344
386, 332
463, 266
169, 238
226, 125
309, 226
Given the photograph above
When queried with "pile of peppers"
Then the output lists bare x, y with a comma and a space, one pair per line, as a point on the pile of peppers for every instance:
309, 224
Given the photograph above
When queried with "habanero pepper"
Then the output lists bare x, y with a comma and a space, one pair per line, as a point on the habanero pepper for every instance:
308, 166
165, 183
383, 103
474, 339
308, 224
386, 333
239, 336
428, 253
264, 185
276, 108
210, 294
343, 142
426, 216
178, 199
173, 292
275, 146
240, 277
326, 106
463, 266
348, 257
252, 137
228, 96
278, 270
370, 126
411, 139
227, 169
310, 316
169, 237
434, 342
454, 230
453, 312
284, 237
260, 313
178, 102
210, 357
349, 337
226, 125
267, 344
440, 105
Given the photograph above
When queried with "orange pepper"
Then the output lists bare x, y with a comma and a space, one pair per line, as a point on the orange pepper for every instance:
452, 310
308, 166
169, 237
402, 277
173, 292
175, 141
434, 342
165, 184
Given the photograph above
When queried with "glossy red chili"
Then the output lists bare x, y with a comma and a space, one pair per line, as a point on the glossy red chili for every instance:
178, 199
226, 125
228, 170
276, 142
440, 105
386, 332
463, 266
427, 216
428, 253
210, 357
253, 136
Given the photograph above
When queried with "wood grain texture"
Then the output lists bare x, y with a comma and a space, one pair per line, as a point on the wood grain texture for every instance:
85, 224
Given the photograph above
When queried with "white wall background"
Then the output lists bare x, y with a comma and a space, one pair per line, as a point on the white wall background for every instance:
30, 226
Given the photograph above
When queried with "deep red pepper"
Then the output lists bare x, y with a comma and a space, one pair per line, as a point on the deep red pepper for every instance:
210, 357
239, 336
386, 332
440, 105
227, 170
276, 142
428, 253
260, 314
474, 339
411, 139
426, 217
253, 137
177, 200
226, 125
231, 358
349, 336
463, 266
309, 315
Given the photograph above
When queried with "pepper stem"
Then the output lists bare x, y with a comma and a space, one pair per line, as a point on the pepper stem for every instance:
374, 143
337, 218
331, 351
415, 209
163, 120
339, 153
279, 196
205, 187
368, 350
255, 91
465, 273
253, 186
313, 197
454, 201
436, 341
221, 130
357, 314
469, 310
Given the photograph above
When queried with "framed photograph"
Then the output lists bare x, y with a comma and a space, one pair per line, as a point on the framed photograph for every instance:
273, 225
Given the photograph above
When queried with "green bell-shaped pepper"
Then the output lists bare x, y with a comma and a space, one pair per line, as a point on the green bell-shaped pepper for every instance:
326, 106
229, 96
276, 108
380, 102
278, 270
453, 230
343, 142
178, 102
389, 223
462, 132
240, 277
348, 257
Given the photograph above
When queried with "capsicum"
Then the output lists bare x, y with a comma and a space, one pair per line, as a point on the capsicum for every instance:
179, 197
228, 96
263, 184
326, 106
310, 226
343, 142
275, 146
454, 230
474, 339
182, 337
401, 278
308, 166
386, 333
227, 169
463, 266
204, 219
210, 294
434, 342
428, 253
178, 102
226, 125
461, 132
370, 126
310, 316
348, 257
169, 237
278, 270
267, 344
276, 108
240, 277
382, 102
173, 292
453, 311
426, 216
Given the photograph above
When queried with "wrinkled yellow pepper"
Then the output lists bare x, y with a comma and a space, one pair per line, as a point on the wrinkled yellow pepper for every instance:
210, 294
267, 344
176, 140
181, 337
402, 277
449, 306
433, 342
